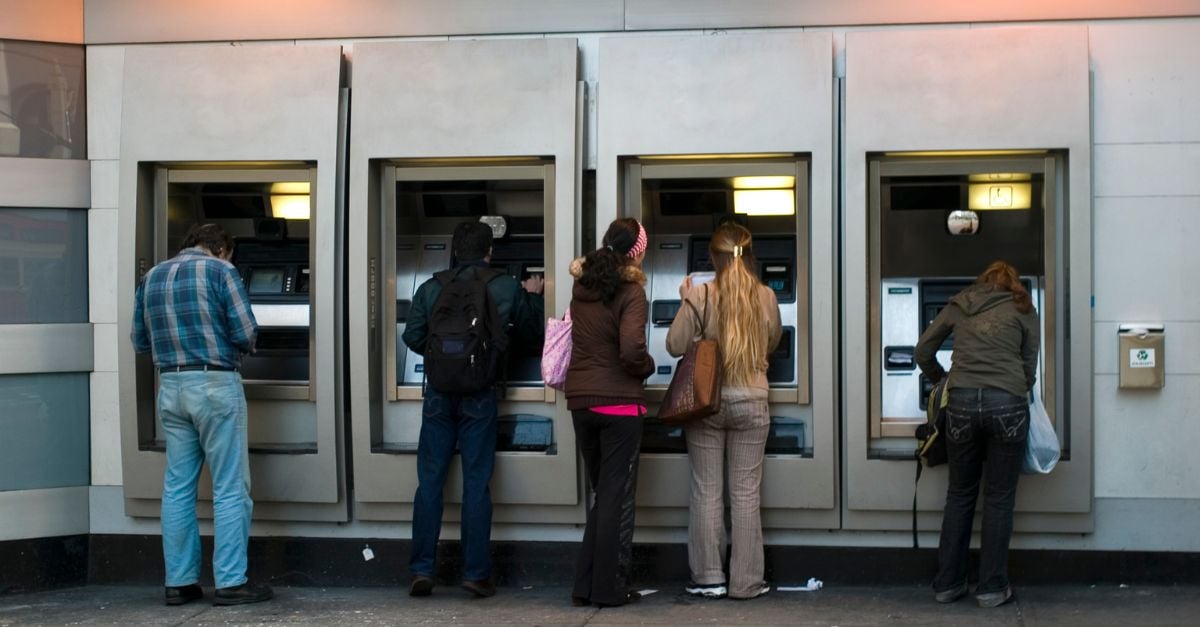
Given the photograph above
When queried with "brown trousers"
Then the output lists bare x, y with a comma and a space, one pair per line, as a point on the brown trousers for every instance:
736, 435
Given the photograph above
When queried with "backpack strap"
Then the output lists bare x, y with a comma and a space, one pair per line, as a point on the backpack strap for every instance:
916, 482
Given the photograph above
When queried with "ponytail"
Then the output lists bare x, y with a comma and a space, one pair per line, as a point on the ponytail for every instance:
740, 318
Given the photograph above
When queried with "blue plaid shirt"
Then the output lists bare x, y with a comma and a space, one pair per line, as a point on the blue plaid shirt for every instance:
193, 310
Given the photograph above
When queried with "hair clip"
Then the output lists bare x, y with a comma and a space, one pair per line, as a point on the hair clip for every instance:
737, 251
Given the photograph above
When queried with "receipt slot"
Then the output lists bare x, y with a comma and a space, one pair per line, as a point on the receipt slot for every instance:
1142, 353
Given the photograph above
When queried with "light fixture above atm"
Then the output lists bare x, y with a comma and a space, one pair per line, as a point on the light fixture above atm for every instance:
999, 196
290, 200
764, 195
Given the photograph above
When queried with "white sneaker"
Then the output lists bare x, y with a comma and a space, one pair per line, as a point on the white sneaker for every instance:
706, 590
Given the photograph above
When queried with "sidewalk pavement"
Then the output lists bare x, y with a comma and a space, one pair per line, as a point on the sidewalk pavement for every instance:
841, 606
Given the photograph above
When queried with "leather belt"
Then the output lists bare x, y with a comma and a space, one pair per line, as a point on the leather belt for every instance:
204, 367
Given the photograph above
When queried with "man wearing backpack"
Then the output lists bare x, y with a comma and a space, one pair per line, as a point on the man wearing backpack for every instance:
461, 321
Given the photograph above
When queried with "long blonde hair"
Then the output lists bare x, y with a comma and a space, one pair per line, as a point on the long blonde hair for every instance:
740, 318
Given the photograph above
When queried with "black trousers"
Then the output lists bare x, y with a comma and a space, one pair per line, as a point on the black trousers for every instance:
610, 446
986, 432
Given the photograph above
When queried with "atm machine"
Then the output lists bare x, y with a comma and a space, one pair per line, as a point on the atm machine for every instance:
420, 202
267, 209
937, 222
680, 201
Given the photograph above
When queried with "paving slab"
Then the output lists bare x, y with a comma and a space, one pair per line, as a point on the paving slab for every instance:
832, 606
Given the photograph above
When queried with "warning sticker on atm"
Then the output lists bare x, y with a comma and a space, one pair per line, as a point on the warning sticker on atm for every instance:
1141, 358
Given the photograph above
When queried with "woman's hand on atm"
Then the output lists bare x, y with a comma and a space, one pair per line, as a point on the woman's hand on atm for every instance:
685, 287
535, 284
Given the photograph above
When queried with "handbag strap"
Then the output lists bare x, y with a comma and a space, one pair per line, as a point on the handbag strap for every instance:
704, 316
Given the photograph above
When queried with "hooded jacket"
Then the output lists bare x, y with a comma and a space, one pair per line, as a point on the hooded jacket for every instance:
995, 345
609, 361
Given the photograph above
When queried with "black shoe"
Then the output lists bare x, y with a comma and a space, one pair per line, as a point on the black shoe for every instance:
481, 588
632, 596
245, 593
580, 601
183, 594
951, 595
422, 586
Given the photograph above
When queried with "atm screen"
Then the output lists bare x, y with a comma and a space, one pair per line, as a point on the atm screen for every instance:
266, 281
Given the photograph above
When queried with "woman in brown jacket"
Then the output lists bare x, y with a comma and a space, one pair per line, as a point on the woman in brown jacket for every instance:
742, 314
604, 391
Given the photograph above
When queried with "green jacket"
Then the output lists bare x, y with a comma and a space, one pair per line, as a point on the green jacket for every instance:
995, 346
520, 312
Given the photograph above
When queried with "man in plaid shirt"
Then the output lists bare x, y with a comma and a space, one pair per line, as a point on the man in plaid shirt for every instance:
192, 313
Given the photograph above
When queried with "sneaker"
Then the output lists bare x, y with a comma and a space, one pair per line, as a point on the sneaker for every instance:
706, 590
755, 592
994, 599
951, 595
482, 588
245, 593
178, 595
422, 586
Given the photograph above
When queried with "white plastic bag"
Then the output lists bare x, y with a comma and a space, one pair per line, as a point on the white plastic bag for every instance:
1042, 449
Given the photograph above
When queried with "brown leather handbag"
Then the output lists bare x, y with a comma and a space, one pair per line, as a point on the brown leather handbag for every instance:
695, 390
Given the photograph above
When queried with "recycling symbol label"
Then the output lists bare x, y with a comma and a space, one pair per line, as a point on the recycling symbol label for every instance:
1141, 358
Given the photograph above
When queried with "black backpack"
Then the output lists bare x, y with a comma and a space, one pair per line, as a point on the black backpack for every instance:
466, 339
931, 439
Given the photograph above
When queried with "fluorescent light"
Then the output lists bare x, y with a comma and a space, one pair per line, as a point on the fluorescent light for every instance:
764, 202
290, 200
764, 182
290, 187
999, 196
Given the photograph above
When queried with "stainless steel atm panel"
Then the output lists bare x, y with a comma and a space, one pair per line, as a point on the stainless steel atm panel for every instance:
420, 201
681, 201
428, 203
1002, 208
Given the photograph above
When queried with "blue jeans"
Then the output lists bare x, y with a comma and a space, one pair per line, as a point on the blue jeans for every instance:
204, 417
985, 429
470, 421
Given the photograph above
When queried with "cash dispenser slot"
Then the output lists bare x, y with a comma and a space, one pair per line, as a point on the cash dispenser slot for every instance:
781, 362
526, 433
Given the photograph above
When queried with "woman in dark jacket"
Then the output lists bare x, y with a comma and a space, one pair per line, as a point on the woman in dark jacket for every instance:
604, 391
996, 340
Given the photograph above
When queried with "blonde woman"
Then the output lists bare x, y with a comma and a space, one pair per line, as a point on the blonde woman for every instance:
741, 313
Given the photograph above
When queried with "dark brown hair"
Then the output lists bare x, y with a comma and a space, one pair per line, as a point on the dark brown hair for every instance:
210, 236
602, 267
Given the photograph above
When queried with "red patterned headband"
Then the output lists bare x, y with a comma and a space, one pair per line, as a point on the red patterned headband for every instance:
639, 246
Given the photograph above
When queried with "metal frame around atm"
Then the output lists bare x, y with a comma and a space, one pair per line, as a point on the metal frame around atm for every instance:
165, 175
794, 491
278, 493
527, 486
1045, 163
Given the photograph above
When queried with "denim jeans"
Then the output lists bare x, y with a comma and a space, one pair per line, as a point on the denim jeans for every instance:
204, 418
986, 430
470, 421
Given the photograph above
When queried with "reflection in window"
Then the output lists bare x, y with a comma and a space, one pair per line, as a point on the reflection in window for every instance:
42, 104
43, 266
44, 437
